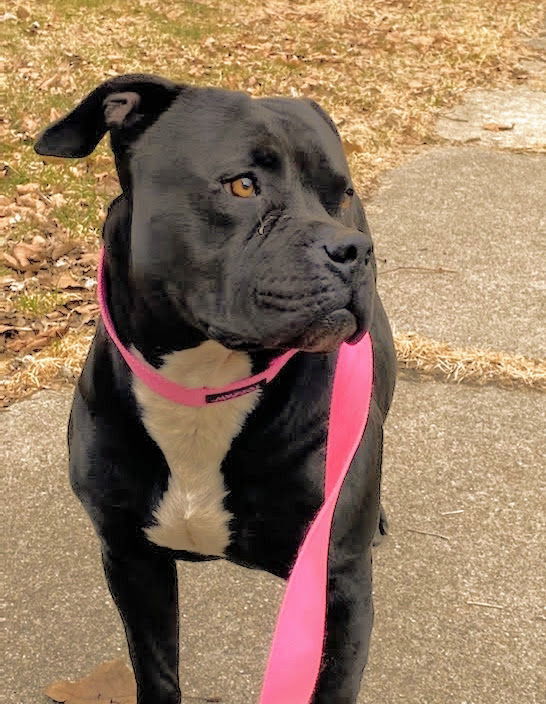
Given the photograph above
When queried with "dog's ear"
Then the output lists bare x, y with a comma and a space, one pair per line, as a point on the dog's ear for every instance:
126, 105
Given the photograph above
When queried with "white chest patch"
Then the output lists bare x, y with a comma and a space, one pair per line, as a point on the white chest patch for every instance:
191, 515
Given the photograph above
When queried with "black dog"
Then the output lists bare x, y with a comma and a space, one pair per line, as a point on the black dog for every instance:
237, 236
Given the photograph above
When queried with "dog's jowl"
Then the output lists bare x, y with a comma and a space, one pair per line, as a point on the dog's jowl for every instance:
237, 236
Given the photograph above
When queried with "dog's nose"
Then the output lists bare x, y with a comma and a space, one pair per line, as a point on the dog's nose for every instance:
349, 250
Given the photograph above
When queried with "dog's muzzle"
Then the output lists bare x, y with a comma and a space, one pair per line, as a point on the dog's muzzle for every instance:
319, 296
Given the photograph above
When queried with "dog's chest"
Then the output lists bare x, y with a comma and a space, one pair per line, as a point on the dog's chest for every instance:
191, 514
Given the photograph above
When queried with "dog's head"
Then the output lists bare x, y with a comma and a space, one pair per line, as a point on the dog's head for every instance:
243, 210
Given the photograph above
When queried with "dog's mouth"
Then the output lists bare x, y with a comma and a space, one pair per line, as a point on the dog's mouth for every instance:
323, 335
327, 334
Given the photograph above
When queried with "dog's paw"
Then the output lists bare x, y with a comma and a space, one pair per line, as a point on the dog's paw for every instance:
382, 528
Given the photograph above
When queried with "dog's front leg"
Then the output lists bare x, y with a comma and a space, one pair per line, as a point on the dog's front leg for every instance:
144, 587
349, 625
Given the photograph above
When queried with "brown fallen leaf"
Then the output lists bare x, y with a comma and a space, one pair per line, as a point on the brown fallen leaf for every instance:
24, 252
24, 188
22, 12
10, 261
88, 313
53, 159
110, 681
351, 147
31, 341
57, 199
66, 280
89, 258
37, 342
26, 341
29, 200
101, 160
6, 328
29, 125
50, 82
495, 127
87, 308
62, 248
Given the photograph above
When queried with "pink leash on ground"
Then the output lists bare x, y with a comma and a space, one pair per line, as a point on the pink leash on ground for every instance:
296, 652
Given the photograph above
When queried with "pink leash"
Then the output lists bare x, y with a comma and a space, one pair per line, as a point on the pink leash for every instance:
296, 652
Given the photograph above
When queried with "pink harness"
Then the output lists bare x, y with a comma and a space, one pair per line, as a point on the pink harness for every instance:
296, 652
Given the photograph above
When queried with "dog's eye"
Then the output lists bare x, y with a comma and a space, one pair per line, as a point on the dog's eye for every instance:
347, 196
242, 187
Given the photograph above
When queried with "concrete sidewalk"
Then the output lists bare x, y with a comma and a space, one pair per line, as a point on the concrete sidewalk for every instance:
448, 449
458, 599
479, 215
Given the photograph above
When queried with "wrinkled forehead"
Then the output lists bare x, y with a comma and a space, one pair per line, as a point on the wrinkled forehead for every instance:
209, 130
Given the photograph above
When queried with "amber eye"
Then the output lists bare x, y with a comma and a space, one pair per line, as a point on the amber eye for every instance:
242, 187
346, 200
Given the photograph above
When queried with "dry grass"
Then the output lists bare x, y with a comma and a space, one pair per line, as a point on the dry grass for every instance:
440, 360
383, 68
60, 364
54, 367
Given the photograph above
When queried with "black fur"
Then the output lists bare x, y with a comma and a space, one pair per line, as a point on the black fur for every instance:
186, 262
